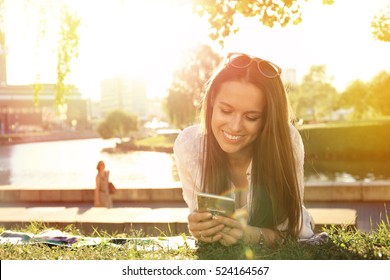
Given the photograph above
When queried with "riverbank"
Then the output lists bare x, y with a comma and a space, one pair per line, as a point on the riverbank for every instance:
46, 136
344, 141
347, 141
162, 143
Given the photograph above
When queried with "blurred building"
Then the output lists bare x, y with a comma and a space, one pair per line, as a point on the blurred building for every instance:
19, 113
124, 92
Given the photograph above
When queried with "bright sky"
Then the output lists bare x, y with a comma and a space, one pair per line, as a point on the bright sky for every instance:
148, 38
338, 36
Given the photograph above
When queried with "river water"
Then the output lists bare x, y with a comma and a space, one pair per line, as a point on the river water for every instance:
72, 163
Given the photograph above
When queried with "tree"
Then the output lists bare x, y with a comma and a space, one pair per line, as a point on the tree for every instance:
186, 91
380, 93
297, 101
221, 14
356, 96
44, 11
317, 97
118, 124
381, 25
67, 51
57, 16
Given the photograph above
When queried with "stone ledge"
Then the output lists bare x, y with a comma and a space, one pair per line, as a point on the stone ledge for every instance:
331, 191
377, 191
87, 195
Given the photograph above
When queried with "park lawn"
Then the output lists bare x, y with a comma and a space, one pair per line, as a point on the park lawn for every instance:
344, 244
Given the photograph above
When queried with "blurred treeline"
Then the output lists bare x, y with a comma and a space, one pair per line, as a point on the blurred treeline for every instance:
313, 100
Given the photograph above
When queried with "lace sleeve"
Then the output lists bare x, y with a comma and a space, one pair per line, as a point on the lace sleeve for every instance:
187, 157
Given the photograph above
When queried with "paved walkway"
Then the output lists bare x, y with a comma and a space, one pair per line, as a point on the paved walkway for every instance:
369, 214
152, 218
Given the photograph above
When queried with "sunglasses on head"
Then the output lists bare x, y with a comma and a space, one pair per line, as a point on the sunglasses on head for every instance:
265, 67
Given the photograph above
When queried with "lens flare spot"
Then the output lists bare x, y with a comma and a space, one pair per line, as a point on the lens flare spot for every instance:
249, 254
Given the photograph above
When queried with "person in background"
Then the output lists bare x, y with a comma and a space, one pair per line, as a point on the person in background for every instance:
247, 148
102, 194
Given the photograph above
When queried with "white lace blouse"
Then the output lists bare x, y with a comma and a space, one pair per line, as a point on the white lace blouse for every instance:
188, 154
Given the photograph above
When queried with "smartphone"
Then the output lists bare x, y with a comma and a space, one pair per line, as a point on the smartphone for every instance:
215, 204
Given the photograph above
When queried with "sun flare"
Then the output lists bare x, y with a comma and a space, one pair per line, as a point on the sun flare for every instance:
149, 38
145, 39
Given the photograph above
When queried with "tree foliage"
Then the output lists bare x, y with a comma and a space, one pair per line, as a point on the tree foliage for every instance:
118, 124
56, 16
315, 98
380, 93
43, 10
356, 96
67, 51
186, 91
221, 14
381, 25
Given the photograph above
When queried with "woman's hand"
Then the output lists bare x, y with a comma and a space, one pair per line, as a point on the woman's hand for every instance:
236, 229
233, 230
204, 228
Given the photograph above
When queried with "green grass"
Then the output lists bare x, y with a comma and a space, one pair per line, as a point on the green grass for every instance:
156, 141
344, 244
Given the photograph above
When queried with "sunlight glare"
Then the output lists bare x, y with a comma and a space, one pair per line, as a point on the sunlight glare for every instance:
145, 39
149, 39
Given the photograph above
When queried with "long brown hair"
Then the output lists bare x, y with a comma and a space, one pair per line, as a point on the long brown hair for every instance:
274, 193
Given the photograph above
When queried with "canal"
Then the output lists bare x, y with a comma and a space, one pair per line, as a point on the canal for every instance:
72, 163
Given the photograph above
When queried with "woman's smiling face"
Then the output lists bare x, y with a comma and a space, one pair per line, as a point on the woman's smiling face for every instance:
237, 118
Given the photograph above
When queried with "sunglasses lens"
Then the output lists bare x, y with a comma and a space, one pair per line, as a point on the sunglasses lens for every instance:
240, 60
268, 69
